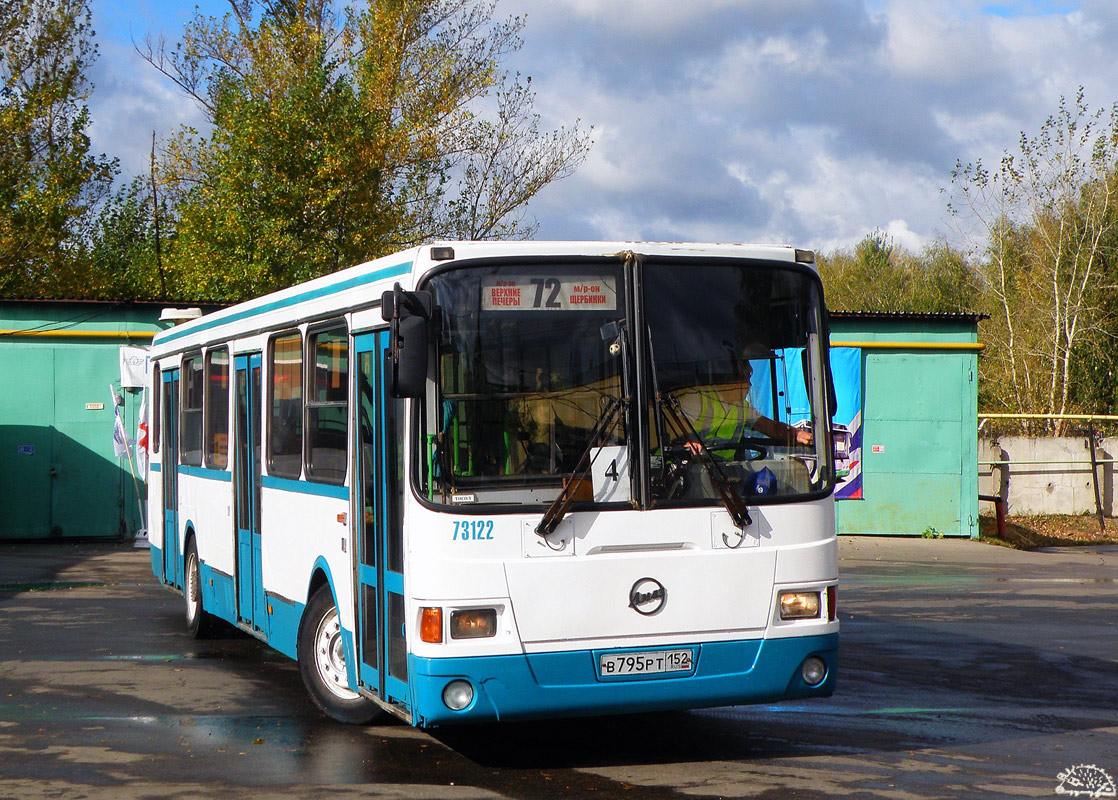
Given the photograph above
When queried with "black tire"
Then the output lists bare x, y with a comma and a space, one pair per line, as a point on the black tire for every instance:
322, 664
200, 623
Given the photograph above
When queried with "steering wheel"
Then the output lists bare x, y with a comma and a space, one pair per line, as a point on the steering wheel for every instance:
756, 446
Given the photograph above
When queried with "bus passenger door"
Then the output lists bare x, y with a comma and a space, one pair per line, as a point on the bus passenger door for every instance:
382, 649
172, 558
250, 581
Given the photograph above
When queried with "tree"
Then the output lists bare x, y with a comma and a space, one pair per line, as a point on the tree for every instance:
123, 253
879, 276
1047, 215
338, 136
49, 181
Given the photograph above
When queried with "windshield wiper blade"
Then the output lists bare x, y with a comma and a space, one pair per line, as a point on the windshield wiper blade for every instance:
739, 511
559, 506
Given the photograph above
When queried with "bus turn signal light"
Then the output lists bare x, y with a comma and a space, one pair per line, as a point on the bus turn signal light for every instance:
431, 625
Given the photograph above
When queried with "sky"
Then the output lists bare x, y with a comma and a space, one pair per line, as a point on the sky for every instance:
803, 122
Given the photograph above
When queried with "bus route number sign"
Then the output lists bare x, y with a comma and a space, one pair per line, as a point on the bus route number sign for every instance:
548, 293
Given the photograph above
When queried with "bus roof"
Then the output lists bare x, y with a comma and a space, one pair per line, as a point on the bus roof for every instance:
350, 288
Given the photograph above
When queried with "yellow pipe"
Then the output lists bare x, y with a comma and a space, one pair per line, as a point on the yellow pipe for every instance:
81, 334
968, 346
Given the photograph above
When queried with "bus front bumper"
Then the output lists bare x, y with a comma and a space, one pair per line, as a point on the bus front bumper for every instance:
568, 684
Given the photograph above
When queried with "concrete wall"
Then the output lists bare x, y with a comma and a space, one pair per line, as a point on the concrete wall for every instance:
1065, 487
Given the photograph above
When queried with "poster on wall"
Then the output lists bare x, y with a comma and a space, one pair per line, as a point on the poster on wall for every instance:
846, 366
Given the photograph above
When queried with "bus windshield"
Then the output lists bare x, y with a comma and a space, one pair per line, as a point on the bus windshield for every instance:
538, 368
523, 376
740, 381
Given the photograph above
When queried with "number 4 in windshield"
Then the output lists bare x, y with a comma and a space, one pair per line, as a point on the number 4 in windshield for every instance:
610, 474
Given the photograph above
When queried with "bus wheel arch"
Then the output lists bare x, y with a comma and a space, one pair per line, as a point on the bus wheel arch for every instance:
319, 579
200, 623
322, 660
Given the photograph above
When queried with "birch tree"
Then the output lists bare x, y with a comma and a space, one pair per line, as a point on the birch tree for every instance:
1046, 214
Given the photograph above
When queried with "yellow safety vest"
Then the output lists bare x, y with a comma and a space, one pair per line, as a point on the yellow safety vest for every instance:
719, 422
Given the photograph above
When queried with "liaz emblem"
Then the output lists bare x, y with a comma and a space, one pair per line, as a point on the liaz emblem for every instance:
647, 596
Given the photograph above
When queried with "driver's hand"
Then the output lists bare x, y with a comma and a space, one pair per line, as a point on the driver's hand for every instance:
802, 436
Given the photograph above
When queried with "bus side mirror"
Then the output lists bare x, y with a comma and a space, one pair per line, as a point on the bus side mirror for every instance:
410, 315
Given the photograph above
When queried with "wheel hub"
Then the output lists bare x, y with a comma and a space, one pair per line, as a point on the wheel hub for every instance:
330, 657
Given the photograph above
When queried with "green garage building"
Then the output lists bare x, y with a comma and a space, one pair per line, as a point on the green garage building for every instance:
918, 413
59, 477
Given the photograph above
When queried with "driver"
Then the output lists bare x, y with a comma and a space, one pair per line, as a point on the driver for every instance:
722, 415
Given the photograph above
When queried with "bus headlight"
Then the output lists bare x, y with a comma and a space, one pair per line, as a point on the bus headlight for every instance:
458, 694
813, 671
799, 605
476, 623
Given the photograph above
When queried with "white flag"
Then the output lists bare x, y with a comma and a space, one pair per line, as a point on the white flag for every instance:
120, 438
133, 367
142, 435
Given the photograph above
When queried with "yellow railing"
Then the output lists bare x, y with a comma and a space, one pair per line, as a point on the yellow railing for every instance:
965, 346
39, 334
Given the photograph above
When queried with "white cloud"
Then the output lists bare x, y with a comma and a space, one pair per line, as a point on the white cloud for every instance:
831, 200
900, 233
638, 18
131, 100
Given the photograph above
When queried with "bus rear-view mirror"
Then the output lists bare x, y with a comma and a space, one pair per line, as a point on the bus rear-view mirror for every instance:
409, 314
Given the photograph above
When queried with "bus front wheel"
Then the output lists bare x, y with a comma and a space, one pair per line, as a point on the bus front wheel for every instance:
200, 623
322, 663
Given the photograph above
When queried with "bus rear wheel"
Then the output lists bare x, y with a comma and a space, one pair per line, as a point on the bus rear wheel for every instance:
201, 623
322, 663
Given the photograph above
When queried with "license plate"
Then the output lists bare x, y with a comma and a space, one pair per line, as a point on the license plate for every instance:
649, 662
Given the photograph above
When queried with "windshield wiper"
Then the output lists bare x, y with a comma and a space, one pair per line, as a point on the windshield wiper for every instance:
607, 421
739, 511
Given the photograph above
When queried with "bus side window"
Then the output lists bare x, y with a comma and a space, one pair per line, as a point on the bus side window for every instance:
217, 408
327, 405
193, 389
285, 422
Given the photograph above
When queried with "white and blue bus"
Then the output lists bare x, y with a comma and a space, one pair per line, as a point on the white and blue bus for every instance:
480, 481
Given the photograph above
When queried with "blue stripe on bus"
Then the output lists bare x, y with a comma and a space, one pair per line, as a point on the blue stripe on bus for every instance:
305, 487
283, 624
310, 294
156, 560
218, 593
208, 474
154, 467
567, 684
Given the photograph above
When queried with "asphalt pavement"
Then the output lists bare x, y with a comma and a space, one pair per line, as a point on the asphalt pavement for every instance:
966, 670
